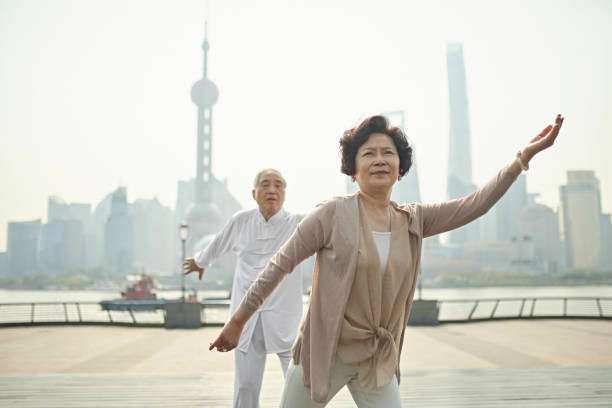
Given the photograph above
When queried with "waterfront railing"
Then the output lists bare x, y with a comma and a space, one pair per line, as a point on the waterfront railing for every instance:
467, 310
215, 313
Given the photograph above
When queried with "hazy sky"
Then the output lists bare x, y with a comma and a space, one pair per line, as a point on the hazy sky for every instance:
95, 94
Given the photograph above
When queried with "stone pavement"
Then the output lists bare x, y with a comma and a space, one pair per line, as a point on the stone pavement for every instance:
499, 363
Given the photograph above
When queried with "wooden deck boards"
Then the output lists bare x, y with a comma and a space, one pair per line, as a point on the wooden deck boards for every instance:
485, 387
554, 363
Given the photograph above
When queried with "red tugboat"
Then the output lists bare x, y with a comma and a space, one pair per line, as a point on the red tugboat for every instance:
138, 296
143, 289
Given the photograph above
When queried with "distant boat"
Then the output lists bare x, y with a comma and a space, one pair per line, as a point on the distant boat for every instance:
144, 288
141, 295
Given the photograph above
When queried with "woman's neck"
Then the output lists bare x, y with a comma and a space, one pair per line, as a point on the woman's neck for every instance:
376, 200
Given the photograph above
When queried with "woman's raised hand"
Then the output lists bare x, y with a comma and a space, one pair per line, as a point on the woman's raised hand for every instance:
543, 140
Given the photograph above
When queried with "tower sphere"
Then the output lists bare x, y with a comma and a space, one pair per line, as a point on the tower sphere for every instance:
204, 93
202, 213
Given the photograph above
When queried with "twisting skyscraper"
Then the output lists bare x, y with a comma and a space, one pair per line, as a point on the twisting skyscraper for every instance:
459, 149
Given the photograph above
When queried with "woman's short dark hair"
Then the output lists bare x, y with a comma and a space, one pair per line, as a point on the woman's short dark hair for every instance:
353, 138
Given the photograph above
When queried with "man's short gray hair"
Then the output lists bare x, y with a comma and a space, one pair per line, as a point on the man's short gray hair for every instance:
263, 172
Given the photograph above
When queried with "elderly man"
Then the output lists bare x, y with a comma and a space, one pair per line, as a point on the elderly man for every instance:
255, 235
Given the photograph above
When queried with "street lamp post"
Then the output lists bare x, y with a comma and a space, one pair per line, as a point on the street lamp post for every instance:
183, 234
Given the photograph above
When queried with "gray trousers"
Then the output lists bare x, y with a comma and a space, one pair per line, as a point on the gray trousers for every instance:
297, 395
249, 369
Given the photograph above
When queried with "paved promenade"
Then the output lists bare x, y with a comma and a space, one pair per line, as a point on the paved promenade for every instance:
520, 363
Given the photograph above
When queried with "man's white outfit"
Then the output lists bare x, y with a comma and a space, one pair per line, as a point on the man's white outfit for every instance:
273, 327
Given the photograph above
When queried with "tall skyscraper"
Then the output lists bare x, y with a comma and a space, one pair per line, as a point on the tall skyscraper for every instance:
581, 219
459, 181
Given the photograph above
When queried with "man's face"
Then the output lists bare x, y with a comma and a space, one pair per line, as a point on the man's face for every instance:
269, 194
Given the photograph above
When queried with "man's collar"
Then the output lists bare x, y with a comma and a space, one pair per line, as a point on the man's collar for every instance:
273, 219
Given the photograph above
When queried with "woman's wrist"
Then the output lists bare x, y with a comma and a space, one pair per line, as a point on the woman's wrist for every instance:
238, 319
526, 156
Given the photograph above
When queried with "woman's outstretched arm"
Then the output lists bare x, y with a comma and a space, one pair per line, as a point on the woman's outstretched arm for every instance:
448, 215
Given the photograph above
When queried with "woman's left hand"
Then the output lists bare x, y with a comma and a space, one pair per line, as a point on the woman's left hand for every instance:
229, 337
542, 141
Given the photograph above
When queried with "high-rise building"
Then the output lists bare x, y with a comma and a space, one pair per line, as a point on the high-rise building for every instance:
62, 246
22, 247
541, 225
3, 263
581, 219
118, 236
606, 241
459, 181
153, 237
67, 237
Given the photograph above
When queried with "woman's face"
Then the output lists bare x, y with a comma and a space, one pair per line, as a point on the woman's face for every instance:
377, 163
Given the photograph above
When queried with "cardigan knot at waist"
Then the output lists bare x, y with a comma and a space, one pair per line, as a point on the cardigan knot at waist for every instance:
373, 350
383, 362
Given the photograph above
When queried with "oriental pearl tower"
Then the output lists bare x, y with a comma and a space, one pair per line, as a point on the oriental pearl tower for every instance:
203, 216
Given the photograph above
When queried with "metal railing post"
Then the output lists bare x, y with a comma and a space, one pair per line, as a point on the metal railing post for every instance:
522, 306
78, 306
32, 318
65, 312
132, 315
473, 309
533, 302
494, 309
564, 306
599, 307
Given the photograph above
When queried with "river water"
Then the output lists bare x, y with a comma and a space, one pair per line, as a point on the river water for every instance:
14, 296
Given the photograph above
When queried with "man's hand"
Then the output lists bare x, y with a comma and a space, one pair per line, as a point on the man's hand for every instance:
189, 265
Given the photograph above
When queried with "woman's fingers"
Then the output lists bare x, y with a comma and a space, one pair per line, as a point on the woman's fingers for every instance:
548, 135
542, 134
221, 344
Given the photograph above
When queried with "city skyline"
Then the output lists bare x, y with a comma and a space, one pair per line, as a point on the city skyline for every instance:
91, 106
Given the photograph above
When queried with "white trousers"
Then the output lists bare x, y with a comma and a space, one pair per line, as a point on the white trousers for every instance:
249, 369
297, 395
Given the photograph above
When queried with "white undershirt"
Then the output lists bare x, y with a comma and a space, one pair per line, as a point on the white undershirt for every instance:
383, 243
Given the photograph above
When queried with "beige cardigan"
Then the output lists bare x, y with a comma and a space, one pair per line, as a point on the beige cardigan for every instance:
331, 231
374, 316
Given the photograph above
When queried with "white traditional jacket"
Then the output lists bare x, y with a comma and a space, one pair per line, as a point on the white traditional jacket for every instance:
255, 241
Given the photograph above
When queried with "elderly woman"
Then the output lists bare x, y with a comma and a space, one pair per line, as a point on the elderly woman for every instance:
368, 250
